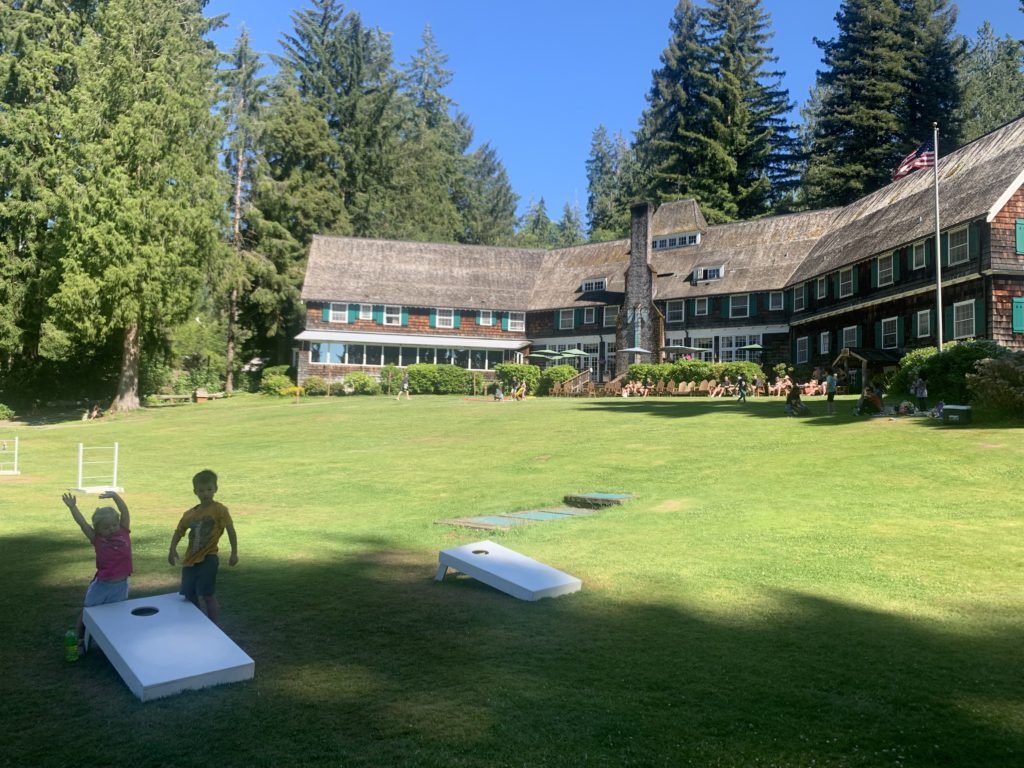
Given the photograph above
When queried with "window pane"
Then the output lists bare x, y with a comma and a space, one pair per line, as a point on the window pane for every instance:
356, 354
336, 354
408, 356
372, 354
494, 358
478, 359
462, 358
445, 357
315, 353
391, 355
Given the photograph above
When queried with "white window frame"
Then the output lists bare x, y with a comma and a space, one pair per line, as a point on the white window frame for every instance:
849, 336
739, 311
594, 284
845, 284
776, 300
486, 318
517, 322
960, 321
889, 272
822, 287
802, 345
675, 311
338, 315
960, 247
918, 249
799, 304
710, 273
926, 315
443, 320
563, 323
890, 332
392, 314
823, 342
366, 311
611, 315
589, 315
700, 306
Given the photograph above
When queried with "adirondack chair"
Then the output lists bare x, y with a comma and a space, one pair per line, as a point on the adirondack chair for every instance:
556, 389
687, 387
705, 387
591, 389
659, 388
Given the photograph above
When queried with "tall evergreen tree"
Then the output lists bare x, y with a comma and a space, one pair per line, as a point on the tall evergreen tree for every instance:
570, 227
536, 230
488, 203
244, 99
140, 203
992, 82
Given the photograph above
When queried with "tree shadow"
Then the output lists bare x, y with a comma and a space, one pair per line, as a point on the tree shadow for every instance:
365, 660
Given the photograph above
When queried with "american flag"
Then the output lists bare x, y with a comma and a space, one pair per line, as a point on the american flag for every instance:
922, 157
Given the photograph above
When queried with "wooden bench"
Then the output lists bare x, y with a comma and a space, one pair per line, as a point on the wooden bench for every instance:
173, 398
201, 395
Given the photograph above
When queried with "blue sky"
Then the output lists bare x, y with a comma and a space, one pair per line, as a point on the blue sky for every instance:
536, 77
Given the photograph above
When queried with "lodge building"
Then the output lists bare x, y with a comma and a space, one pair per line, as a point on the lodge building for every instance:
805, 287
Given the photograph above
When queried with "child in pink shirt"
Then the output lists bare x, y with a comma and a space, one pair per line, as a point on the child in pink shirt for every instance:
109, 535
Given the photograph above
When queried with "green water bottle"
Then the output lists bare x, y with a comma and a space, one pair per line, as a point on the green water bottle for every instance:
71, 645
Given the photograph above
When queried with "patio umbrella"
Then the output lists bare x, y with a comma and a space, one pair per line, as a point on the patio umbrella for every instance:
752, 347
574, 353
550, 354
636, 350
684, 348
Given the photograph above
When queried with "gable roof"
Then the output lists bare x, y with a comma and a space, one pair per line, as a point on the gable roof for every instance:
678, 216
971, 181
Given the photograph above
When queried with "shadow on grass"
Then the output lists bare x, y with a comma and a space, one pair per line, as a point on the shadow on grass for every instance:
366, 661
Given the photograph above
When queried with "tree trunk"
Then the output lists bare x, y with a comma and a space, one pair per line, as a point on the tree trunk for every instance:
128, 382
236, 236
229, 354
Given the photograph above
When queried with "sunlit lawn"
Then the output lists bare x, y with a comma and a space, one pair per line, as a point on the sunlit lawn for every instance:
826, 591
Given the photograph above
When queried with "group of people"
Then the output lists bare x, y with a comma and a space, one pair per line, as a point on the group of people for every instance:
516, 390
827, 386
110, 536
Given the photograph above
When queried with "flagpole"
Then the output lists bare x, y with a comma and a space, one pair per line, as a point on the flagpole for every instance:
938, 238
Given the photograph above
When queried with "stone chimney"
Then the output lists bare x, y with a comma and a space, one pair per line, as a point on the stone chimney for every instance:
635, 328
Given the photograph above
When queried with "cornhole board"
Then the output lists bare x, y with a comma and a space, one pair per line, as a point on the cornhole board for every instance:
507, 570
162, 645
596, 500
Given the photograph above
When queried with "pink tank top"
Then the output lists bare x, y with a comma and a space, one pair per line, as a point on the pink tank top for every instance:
113, 556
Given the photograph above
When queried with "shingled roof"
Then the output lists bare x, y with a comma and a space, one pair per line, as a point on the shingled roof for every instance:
420, 274
758, 255
678, 216
971, 180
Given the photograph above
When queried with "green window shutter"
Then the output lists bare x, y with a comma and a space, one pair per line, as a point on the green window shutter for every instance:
854, 272
973, 241
353, 312
895, 266
835, 290
947, 322
433, 318
752, 304
979, 318
724, 308
558, 320
378, 314
929, 248
1020, 235
874, 273
456, 319
578, 318
878, 335
787, 301
945, 249
1018, 315
405, 315
326, 315
860, 337
899, 331
504, 321
913, 324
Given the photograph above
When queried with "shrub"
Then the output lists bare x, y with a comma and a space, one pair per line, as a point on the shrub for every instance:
422, 378
277, 370
292, 391
362, 384
390, 379
946, 374
692, 370
273, 383
453, 380
911, 365
656, 371
998, 385
555, 373
527, 373
315, 386
6, 412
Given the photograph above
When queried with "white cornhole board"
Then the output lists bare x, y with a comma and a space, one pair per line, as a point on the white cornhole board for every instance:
507, 570
173, 650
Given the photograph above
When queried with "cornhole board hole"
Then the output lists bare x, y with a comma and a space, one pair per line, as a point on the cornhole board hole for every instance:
507, 570
596, 500
162, 645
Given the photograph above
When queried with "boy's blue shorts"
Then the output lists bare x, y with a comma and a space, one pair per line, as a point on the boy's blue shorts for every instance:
199, 580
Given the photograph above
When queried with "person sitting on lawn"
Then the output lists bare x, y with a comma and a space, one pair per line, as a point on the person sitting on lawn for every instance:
498, 394
794, 406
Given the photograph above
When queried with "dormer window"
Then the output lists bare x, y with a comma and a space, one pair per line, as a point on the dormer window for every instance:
708, 273
679, 240
594, 284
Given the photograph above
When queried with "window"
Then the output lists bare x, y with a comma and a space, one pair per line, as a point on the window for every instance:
924, 323
325, 353
693, 239
589, 316
845, 283
890, 339
850, 336
708, 273
739, 306
917, 256
339, 313
392, 315
822, 288
707, 346
775, 300
366, 311
958, 247
700, 306
597, 284
798, 298
445, 318
801, 349
486, 317
566, 319
730, 348
611, 315
674, 312
517, 321
823, 342
963, 319
884, 270
659, 244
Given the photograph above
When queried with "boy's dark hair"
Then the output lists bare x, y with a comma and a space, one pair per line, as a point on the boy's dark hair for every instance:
203, 476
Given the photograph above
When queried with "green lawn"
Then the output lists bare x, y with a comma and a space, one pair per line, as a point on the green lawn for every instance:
782, 592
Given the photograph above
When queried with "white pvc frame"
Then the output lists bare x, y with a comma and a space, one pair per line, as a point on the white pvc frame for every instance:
7, 467
82, 486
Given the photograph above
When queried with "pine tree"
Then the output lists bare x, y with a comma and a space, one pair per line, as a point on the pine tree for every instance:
570, 227
488, 203
244, 100
140, 202
611, 184
992, 83
536, 230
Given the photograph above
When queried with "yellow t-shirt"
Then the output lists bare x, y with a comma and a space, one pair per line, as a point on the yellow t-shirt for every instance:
204, 527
